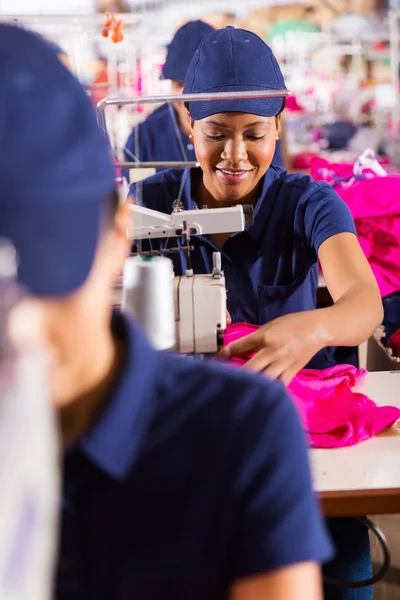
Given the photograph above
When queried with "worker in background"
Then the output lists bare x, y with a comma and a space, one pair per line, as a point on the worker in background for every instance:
165, 134
181, 479
271, 268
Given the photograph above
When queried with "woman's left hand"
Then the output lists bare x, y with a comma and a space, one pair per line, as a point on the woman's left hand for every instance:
282, 347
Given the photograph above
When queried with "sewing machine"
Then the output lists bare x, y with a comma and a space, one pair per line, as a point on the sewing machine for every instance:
198, 302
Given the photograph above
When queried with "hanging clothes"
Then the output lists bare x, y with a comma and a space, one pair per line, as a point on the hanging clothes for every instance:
332, 413
374, 203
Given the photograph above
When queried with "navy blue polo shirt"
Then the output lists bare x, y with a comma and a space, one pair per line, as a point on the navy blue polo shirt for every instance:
158, 140
271, 267
194, 476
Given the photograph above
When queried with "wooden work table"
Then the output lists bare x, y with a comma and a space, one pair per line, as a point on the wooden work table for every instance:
363, 479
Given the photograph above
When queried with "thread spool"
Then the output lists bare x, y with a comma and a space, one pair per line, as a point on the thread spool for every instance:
147, 296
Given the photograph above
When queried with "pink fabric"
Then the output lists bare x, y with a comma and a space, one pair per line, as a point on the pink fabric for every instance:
292, 104
323, 170
394, 343
333, 415
375, 206
118, 172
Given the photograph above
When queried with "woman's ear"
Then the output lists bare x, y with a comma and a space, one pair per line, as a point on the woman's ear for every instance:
278, 123
123, 221
191, 122
120, 235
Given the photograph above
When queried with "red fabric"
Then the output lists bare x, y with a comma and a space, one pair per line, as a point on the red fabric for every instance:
333, 415
375, 206
394, 343
303, 160
97, 94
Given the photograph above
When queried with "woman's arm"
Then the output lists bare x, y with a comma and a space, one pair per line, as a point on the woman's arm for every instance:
284, 346
297, 582
357, 309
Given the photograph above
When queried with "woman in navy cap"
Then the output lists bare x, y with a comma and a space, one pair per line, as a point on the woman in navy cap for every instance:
271, 267
165, 135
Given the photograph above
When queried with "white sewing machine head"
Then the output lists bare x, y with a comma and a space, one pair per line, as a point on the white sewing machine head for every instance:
198, 302
148, 224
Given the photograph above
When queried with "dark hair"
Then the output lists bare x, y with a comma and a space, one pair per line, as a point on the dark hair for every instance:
282, 107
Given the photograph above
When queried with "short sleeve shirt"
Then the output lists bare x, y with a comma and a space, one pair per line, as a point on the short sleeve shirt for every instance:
194, 476
159, 139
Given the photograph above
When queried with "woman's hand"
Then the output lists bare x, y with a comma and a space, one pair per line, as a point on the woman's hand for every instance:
282, 347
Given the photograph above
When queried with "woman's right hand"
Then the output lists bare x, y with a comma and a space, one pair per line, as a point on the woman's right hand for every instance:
228, 318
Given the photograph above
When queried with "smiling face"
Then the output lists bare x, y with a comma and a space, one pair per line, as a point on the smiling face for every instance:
234, 151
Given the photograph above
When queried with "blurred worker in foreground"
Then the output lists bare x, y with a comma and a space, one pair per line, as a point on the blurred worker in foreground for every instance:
165, 134
180, 479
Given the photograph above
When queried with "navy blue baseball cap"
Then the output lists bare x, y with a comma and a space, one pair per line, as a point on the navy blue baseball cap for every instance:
180, 51
234, 60
55, 168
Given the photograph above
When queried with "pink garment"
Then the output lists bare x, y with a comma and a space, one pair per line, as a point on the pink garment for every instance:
394, 343
375, 206
333, 415
323, 170
292, 104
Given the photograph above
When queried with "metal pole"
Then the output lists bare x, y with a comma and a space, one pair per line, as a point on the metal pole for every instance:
157, 165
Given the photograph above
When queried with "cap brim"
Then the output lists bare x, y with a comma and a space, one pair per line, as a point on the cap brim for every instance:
55, 256
264, 107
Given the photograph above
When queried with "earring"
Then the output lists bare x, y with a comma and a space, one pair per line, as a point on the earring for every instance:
190, 137
277, 137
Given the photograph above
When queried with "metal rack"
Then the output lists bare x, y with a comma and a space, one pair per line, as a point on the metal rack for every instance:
102, 105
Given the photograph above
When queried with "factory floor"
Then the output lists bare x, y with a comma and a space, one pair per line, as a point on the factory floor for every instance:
389, 588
